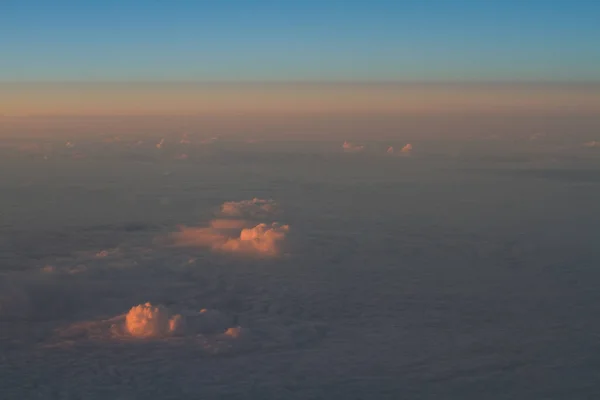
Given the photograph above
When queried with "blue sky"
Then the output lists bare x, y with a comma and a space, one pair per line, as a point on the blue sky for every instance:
245, 40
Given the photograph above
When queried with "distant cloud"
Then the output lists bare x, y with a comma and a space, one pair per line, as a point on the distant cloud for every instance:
150, 322
255, 208
262, 239
237, 235
147, 321
591, 144
407, 149
160, 144
185, 139
404, 151
349, 147
537, 136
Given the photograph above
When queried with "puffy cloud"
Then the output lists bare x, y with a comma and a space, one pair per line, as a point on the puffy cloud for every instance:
148, 321
262, 239
254, 208
237, 235
407, 149
592, 144
390, 150
349, 147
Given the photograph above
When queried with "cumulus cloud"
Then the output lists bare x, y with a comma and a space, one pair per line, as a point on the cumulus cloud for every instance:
407, 149
262, 239
254, 208
349, 147
592, 144
235, 232
148, 321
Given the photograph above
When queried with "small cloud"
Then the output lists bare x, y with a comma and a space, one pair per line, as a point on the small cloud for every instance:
349, 147
185, 139
390, 150
70, 145
148, 321
234, 332
182, 157
249, 208
592, 144
536, 136
407, 149
160, 144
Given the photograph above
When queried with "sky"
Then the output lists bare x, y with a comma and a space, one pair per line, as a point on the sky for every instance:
260, 40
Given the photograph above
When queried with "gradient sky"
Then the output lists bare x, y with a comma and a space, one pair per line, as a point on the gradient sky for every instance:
243, 40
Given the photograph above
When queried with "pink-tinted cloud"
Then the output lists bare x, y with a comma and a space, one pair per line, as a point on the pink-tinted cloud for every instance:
237, 235
349, 147
262, 239
407, 149
148, 321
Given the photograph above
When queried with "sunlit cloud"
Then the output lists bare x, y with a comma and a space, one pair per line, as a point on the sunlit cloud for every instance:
407, 149
146, 320
349, 147
241, 234
262, 239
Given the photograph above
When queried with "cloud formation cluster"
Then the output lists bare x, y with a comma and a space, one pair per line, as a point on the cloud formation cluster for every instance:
242, 234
